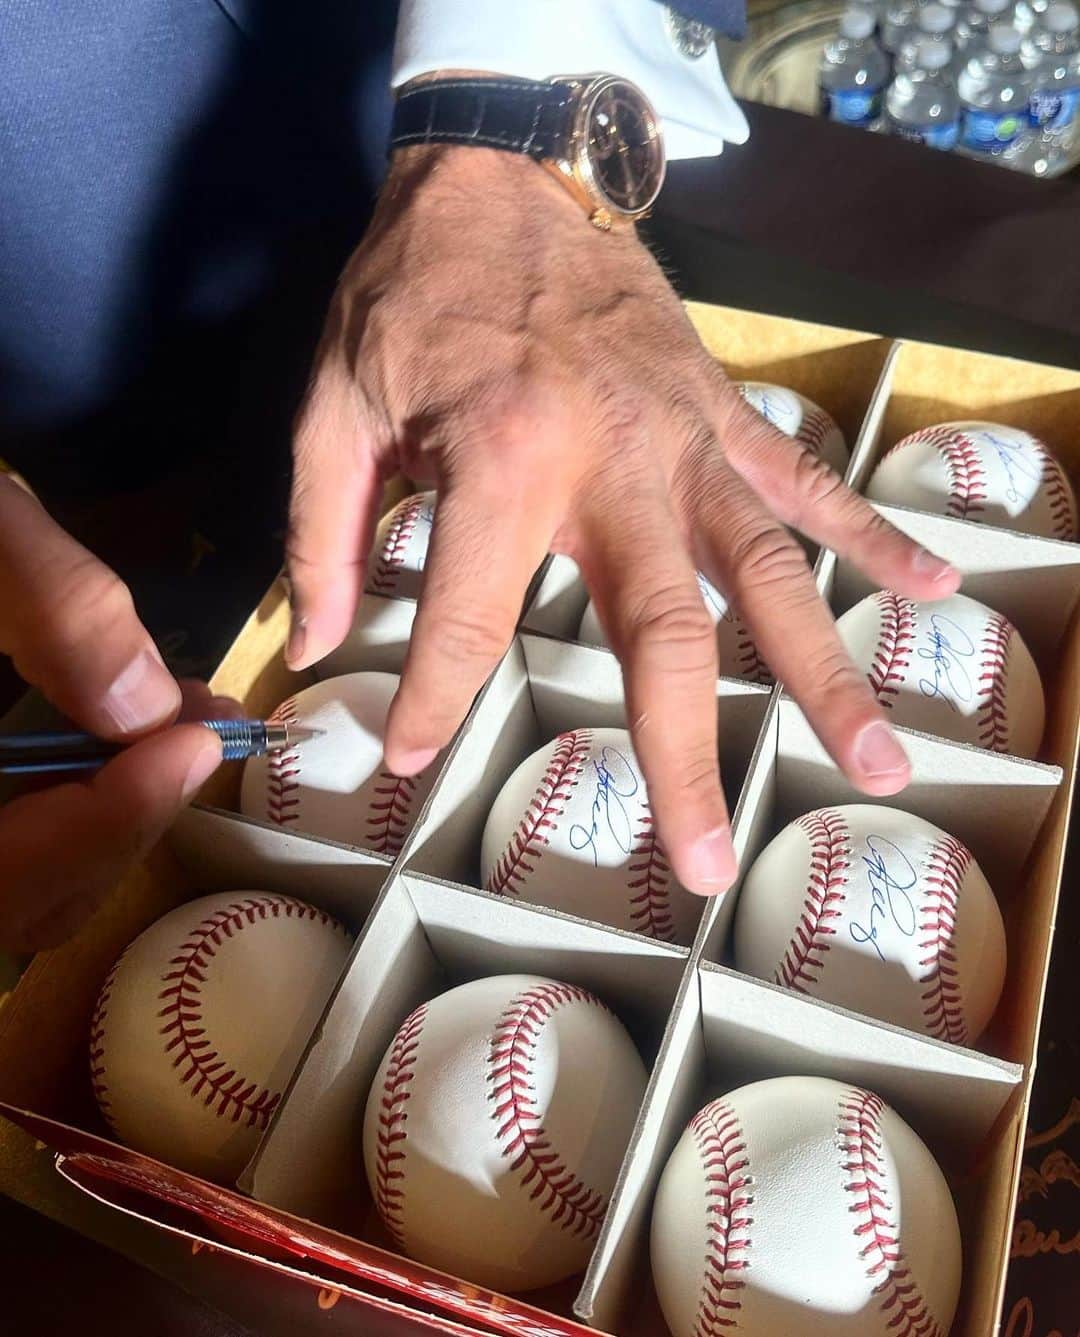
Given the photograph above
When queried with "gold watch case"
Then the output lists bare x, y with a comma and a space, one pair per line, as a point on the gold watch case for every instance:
613, 160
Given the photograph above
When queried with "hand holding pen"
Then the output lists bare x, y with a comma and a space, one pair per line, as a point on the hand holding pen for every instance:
70, 627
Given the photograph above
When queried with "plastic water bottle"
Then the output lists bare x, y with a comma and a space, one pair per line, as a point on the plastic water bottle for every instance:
1052, 54
994, 89
898, 24
935, 23
853, 72
1029, 13
921, 104
978, 18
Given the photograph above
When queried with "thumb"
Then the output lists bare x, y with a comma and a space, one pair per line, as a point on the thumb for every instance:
70, 627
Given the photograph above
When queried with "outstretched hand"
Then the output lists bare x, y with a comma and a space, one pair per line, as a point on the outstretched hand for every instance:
546, 379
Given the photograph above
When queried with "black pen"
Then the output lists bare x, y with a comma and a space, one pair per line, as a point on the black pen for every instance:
48, 753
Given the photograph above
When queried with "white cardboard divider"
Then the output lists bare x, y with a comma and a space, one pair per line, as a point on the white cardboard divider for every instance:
424, 938
733, 1030
1034, 581
542, 688
223, 853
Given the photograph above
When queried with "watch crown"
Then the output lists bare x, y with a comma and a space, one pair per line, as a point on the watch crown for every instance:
600, 218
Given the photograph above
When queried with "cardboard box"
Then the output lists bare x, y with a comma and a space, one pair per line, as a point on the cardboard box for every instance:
424, 923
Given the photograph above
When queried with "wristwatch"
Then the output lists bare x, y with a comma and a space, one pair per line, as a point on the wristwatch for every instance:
598, 134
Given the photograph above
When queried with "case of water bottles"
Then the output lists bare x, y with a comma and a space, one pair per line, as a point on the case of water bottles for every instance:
996, 80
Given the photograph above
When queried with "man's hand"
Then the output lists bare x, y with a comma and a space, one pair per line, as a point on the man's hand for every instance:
545, 377
69, 625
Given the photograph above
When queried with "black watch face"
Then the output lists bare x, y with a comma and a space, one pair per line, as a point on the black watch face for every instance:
623, 147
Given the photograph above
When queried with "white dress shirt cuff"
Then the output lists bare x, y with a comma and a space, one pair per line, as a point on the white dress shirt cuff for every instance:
538, 39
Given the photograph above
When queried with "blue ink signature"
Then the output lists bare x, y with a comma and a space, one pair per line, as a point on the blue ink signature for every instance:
615, 781
949, 646
891, 877
1015, 462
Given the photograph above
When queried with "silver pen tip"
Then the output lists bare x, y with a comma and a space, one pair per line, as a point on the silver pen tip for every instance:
297, 733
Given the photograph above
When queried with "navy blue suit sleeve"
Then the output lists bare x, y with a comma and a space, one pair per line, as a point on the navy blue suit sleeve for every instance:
726, 16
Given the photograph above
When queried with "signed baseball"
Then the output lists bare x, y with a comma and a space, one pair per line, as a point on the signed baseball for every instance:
800, 1205
979, 471
738, 655
572, 829
202, 1021
879, 911
953, 667
496, 1126
396, 564
798, 417
335, 785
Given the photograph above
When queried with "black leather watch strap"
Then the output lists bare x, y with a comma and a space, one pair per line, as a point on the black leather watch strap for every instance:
513, 114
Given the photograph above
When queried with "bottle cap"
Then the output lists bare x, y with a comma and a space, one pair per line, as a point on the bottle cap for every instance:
933, 55
936, 19
991, 6
856, 24
1062, 18
1004, 40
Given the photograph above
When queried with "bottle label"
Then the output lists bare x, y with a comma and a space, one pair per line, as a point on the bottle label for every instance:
851, 106
941, 135
1054, 110
989, 131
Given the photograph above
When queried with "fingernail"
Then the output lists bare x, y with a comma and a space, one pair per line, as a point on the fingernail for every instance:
936, 568
412, 763
205, 763
878, 754
143, 695
294, 649
711, 862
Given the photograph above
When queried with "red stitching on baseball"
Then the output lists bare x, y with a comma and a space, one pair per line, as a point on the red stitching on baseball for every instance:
391, 556
389, 1153
814, 428
557, 1191
722, 1148
391, 805
650, 879
751, 665
967, 478
993, 720
98, 1075
943, 1001
282, 768
875, 1231
896, 639
830, 858
548, 804
1059, 494
184, 1030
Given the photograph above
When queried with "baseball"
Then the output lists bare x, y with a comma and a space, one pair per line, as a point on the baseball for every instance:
496, 1126
335, 785
572, 829
396, 564
979, 471
738, 655
202, 1021
878, 911
803, 1205
800, 418
953, 668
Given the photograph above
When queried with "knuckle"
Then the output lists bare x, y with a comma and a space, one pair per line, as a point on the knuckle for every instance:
457, 638
767, 558
672, 622
832, 676
85, 599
